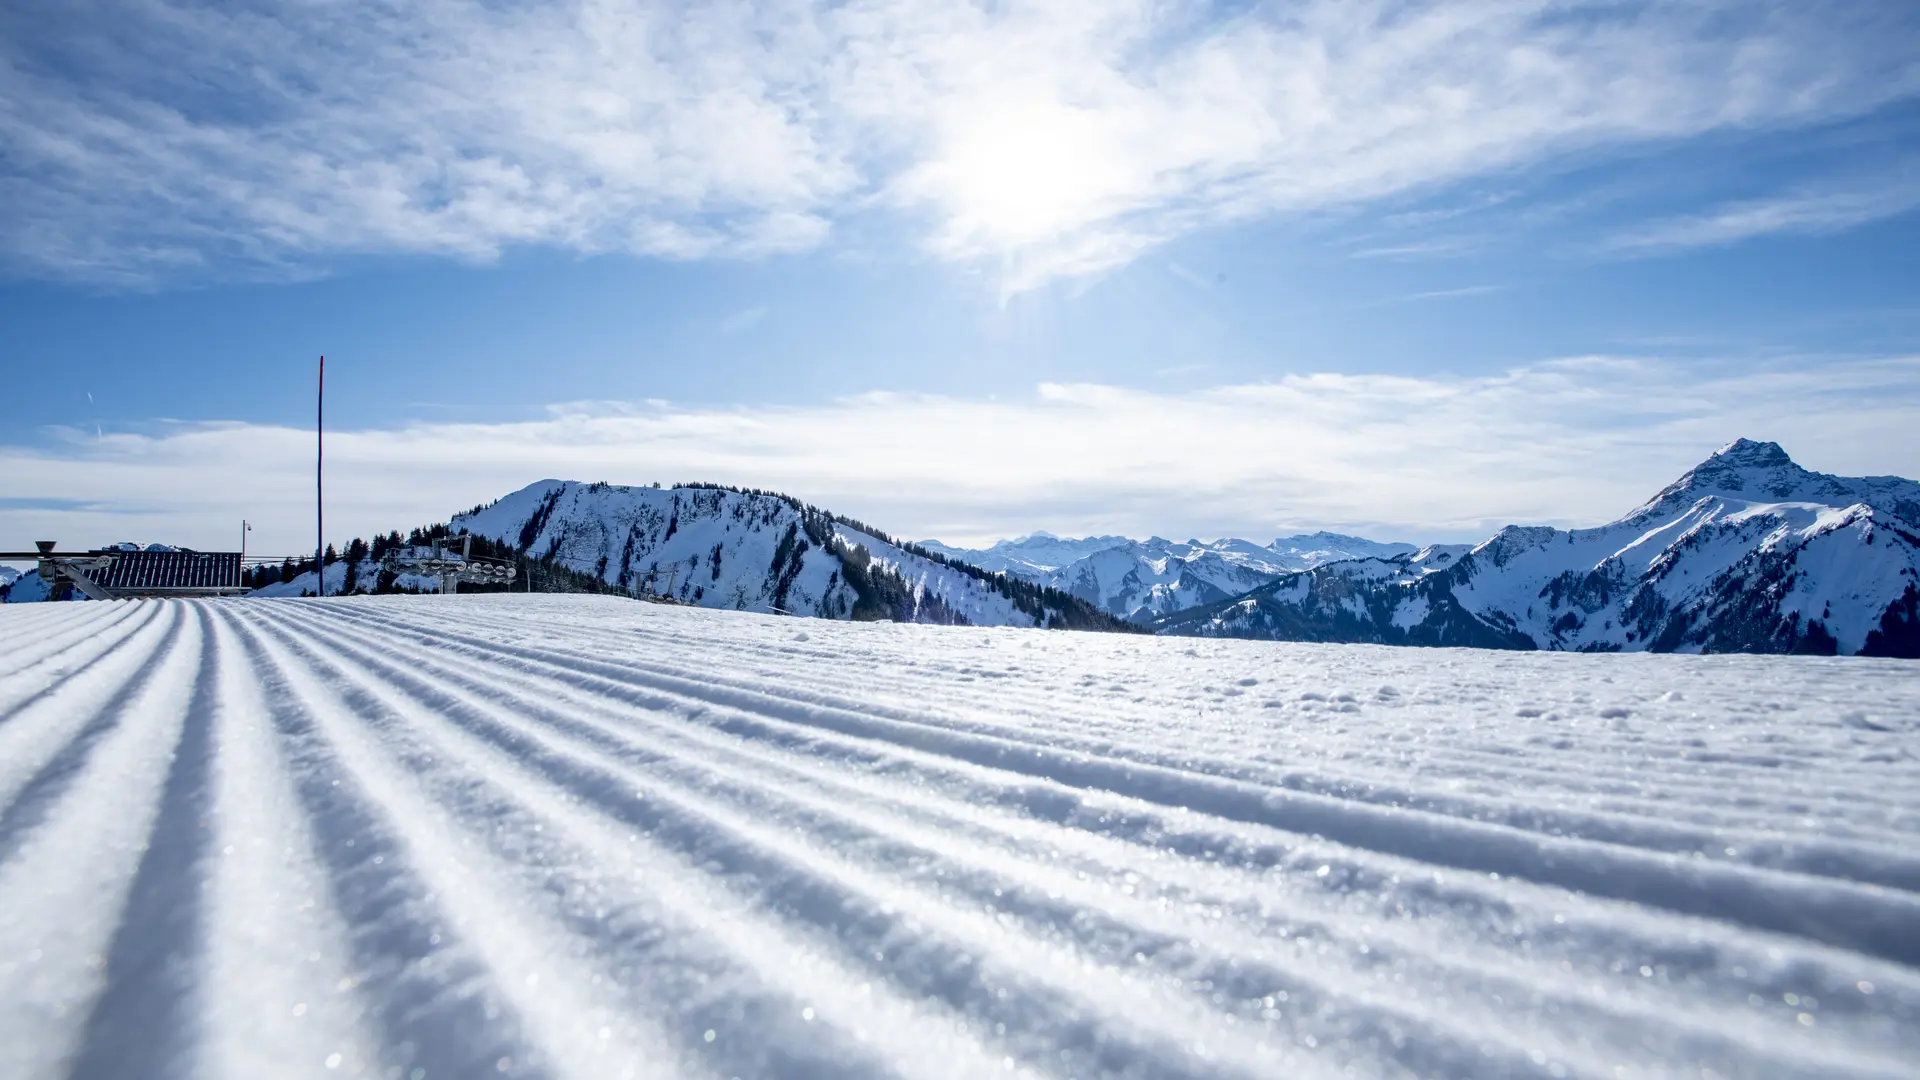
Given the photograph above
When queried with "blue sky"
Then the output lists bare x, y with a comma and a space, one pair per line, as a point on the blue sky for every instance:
1413, 270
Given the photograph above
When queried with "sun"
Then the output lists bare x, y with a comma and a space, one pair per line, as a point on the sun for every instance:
1013, 175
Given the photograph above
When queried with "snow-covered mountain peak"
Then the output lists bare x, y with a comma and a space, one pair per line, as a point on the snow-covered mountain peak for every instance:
1747, 551
1307, 550
1749, 453
1321, 538
1029, 557
1749, 471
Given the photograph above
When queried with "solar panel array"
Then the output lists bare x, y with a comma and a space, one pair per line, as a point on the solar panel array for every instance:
142, 571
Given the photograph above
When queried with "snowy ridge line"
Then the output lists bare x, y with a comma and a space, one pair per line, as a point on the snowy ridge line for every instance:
336, 838
1577, 1013
1872, 920
1864, 863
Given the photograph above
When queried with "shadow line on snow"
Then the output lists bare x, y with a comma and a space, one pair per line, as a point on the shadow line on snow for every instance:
433, 1006
142, 1023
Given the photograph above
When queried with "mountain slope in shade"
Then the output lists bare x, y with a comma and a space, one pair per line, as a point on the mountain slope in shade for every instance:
1142, 580
757, 551
1748, 552
19, 587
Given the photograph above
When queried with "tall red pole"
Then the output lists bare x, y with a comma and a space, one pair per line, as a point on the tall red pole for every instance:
319, 475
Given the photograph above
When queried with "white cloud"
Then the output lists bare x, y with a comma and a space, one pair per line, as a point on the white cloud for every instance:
165, 139
1807, 211
1574, 441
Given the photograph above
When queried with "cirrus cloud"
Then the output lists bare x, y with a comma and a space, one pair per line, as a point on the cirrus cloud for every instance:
153, 140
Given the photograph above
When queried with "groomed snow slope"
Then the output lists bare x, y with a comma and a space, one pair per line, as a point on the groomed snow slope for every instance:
573, 836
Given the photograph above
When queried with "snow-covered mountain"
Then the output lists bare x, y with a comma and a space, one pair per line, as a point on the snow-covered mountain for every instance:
1308, 550
757, 551
1748, 552
1030, 558
1143, 580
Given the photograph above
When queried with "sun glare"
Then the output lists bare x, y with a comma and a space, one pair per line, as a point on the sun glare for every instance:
1016, 175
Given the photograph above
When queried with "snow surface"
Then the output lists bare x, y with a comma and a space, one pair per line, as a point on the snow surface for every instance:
569, 836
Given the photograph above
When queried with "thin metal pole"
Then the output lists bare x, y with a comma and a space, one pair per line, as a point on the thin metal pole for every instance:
319, 479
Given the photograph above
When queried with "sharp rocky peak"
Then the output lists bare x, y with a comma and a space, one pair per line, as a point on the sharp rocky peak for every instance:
1743, 468
1747, 454
1762, 472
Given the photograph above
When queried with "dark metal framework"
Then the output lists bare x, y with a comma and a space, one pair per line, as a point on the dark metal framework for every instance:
450, 567
120, 575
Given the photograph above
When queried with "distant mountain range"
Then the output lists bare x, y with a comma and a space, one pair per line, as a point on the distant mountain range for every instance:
1747, 552
1144, 580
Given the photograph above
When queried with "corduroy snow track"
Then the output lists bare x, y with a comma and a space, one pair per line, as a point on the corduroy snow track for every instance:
539, 836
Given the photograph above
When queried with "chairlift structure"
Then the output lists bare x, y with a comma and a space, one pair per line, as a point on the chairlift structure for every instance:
449, 566
652, 580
